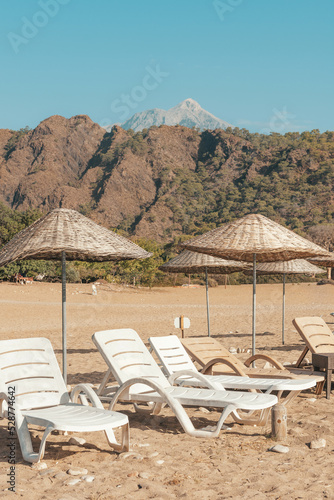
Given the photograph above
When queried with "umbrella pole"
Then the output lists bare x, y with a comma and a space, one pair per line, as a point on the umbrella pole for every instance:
283, 309
254, 304
63, 317
207, 300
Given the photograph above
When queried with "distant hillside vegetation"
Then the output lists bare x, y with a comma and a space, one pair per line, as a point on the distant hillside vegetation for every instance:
168, 182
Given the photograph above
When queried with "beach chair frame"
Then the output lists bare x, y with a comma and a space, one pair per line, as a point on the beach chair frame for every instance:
32, 391
178, 367
141, 381
316, 334
215, 359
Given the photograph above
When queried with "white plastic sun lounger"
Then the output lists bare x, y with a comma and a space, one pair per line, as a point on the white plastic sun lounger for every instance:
141, 381
178, 367
32, 391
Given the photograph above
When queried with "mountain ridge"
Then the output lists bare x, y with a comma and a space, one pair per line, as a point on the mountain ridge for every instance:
168, 181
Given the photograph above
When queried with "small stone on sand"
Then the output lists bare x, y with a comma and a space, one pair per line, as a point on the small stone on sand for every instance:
144, 475
46, 472
77, 472
279, 448
317, 443
130, 454
77, 441
88, 479
39, 466
60, 475
73, 482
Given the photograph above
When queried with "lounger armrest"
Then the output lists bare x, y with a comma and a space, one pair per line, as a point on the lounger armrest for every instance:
83, 391
124, 388
265, 357
199, 376
3, 408
207, 369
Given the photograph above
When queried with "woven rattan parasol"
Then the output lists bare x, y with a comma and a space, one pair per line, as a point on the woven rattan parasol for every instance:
297, 266
193, 262
254, 234
66, 234
327, 261
254, 237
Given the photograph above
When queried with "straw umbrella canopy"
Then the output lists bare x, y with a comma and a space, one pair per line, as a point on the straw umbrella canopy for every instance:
324, 261
254, 238
65, 234
297, 266
193, 262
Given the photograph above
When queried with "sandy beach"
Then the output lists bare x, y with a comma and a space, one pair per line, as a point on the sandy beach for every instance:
166, 462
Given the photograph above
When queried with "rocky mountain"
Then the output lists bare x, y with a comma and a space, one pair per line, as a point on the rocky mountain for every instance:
168, 181
43, 167
188, 113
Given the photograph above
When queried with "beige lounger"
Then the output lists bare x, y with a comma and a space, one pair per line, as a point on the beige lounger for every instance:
215, 359
316, 334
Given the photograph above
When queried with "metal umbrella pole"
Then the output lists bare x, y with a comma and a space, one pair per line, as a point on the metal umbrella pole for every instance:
254, 304
283, 309
207, 300
63, 318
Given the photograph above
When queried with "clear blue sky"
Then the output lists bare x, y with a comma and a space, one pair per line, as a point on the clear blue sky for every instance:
266, 65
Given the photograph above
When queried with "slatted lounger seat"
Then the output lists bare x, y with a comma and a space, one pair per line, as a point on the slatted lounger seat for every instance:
179, 368
316, 334
141, 381
33, 391
215, 359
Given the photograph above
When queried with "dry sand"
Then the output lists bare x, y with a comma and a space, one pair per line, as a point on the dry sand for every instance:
168, 463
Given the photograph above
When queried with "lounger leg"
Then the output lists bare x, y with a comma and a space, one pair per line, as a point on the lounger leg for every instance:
223, 416
47, 431
104, 382
290, 397
301, 357
319, 387
188, 426
261, 420
23, 434
124, 445
153, 409
175, 406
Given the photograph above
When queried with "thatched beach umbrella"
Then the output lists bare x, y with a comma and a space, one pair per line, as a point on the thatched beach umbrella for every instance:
67, 235
327, 261
193, 262
297, 266
254, 238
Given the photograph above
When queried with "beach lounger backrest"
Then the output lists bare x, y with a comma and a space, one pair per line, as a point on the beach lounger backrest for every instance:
128, 357
316, 334
171, 354
29, 371
204, 349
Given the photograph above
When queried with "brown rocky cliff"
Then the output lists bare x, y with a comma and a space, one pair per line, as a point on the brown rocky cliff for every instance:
161, 182
44, 168
116, 178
